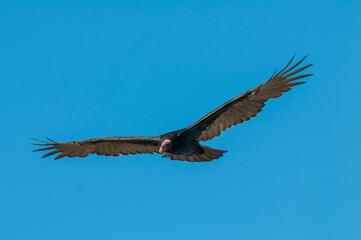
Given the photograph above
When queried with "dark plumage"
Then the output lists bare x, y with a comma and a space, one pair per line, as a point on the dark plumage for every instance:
184, 144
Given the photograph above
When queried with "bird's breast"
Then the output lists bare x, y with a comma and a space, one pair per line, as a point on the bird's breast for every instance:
186, 146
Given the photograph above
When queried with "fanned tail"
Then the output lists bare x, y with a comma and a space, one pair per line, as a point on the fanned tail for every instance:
205, 154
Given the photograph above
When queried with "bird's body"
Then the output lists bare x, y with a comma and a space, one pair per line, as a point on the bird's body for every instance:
184, 144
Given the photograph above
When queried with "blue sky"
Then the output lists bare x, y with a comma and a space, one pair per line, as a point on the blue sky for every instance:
74, 70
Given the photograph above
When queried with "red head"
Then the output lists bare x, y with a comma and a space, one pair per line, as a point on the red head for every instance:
166, 146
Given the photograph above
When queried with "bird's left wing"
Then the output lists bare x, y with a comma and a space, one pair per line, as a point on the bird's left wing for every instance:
109, 146
247, 105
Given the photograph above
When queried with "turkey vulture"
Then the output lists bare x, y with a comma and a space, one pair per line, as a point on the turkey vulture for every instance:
184, 144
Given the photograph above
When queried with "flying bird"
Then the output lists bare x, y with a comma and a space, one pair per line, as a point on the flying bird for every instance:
184, 144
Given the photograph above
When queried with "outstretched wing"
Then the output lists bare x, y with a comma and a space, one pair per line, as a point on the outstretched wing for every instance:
110, 146
247, 105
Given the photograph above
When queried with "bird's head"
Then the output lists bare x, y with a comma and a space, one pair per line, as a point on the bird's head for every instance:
166, 146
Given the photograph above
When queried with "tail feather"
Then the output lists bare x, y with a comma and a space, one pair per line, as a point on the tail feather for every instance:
204, 154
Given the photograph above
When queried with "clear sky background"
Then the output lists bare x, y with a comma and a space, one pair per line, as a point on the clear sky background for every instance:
72, 70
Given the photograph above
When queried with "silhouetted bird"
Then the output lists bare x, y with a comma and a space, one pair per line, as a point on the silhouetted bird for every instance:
184, 144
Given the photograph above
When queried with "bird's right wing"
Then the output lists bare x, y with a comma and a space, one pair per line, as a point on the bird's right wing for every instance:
109, 146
